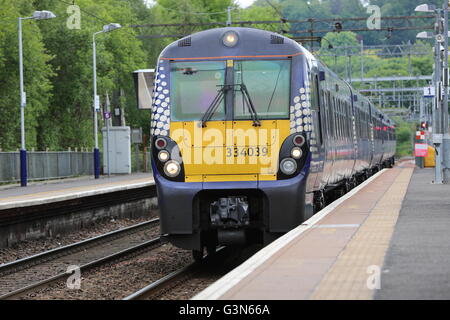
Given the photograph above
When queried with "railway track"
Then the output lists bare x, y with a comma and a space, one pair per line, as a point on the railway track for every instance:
206, 272
20, 277
159, 287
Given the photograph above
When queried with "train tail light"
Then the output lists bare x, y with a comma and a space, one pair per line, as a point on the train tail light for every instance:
160, 143
298, 140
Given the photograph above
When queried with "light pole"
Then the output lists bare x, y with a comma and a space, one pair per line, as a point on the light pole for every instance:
106, 28
441, 138
37, 15
445, 78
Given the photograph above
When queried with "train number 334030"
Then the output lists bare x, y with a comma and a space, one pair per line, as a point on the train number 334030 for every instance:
247, 152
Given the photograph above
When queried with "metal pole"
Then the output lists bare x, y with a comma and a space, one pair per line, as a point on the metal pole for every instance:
23, 151
229, 17
421, 109
96, 150
107, 135
107, 147
437, 107
362, 59
444, 109
107, 120
136, 155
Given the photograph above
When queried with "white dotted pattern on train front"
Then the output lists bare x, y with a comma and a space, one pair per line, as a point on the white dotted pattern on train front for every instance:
160, 119
300, 111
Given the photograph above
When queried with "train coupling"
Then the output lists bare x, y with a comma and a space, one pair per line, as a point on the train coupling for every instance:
230, 213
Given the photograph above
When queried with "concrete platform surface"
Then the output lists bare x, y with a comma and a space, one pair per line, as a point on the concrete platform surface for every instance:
337, 254
60, 190
417, 263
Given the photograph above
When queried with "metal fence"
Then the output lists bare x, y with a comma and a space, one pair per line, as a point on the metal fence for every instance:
46, 165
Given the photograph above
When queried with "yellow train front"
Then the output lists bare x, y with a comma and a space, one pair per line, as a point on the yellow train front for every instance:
229, 167
241, 151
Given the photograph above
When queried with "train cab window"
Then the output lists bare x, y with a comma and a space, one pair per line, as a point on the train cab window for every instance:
268, 83
194, 85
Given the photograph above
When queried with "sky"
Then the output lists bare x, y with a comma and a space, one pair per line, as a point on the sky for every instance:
245, 3
242, 3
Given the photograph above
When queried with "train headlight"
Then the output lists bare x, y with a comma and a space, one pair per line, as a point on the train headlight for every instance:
296, 153
172, 168
288, 166
163, 156
230, 39
298, 140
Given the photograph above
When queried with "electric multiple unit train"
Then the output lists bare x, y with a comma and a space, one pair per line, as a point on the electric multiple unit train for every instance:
251, 135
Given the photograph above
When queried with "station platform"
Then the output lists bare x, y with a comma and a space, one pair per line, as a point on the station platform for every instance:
39, 193
386, 239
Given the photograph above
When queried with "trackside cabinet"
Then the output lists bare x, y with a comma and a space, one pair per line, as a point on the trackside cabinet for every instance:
119, 150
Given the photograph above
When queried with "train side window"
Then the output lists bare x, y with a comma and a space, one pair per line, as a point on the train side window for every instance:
344, 115
361, 123
363, 120
349, 120
335, 118
366, 125
342, 120
358, 122
339, 118
326, 108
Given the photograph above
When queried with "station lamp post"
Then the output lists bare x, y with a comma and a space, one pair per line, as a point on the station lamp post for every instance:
37, 15
441, 137
107, 28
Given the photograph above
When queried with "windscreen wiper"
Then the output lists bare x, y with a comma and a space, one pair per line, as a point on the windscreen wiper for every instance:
214, 104
249, 103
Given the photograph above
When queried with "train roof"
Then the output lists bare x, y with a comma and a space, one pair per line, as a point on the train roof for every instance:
251, 42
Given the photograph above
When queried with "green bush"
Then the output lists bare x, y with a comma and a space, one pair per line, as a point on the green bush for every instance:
404, 131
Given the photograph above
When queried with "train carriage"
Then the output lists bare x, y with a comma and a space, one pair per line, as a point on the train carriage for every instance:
250, 136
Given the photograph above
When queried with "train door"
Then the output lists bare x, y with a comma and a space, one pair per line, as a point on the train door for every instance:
317, 115
371, 135
354, 139
326, 135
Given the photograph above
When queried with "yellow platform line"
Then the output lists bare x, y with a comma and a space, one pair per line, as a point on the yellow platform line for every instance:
38, 195
353, 274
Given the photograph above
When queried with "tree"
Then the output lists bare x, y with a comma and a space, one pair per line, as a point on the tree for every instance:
68, 122
36, 75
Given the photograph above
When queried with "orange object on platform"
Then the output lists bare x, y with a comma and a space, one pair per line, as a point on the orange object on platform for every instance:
429, 160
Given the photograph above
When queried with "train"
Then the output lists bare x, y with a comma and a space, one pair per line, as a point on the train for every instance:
251, 135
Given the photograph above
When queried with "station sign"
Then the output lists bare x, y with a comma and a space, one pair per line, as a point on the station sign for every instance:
420, 135
428, 92
97, 103
421, 150
144, 82
438, 138
24, 99
136, 136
